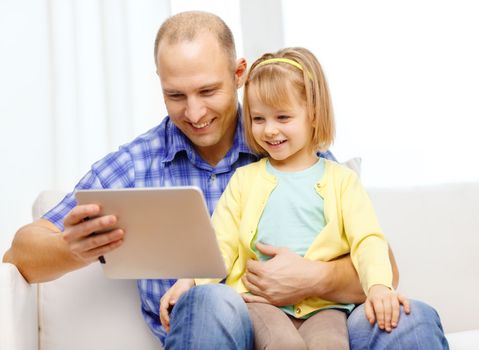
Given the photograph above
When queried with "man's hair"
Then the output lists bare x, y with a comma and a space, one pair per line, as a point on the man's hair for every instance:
277, 83
187, 26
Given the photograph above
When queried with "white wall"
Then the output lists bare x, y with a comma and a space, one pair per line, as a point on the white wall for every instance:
77, 79
404, 77
23, 98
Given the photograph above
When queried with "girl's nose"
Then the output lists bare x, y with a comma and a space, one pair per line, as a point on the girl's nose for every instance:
270, 130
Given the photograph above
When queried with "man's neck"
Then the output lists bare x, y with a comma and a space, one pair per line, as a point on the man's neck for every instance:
210, 157
214, 154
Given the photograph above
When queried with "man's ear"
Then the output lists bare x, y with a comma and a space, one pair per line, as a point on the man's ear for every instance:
240, 72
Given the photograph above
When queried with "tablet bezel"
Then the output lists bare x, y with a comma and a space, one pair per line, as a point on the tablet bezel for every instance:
168, 233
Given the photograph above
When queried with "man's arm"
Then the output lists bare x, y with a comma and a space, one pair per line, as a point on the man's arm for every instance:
42, 253
288, 278
342, 282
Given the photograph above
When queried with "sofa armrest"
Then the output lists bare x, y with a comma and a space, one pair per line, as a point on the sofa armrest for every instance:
18, 315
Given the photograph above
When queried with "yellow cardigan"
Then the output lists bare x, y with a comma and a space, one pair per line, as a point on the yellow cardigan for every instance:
351, 227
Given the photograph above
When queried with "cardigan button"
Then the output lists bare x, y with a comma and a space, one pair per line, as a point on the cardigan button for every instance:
298, 310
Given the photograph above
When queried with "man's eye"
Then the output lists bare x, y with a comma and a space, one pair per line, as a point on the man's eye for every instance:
208, 92
174, 96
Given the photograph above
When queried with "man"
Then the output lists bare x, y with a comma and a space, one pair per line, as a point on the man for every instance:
200, 143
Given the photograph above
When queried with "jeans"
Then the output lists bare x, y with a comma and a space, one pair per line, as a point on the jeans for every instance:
210, 316
421, 329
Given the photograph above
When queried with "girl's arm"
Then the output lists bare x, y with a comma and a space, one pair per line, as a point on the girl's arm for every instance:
342, 282
169, 299
368, 245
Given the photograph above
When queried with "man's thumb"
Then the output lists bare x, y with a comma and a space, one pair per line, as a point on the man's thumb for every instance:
267, 249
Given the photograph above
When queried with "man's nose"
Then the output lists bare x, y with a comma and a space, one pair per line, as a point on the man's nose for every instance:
195, 109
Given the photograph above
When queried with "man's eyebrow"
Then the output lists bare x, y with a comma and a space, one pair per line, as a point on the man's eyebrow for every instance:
210, 86
171, 91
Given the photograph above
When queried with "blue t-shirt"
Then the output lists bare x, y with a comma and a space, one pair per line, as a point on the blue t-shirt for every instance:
294, 213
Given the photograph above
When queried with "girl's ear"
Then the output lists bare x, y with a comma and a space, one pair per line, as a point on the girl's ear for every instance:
240, 72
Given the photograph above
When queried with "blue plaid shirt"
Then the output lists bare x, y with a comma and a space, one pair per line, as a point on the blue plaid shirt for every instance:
162, 156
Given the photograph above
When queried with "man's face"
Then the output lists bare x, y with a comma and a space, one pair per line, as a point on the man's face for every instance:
199, 87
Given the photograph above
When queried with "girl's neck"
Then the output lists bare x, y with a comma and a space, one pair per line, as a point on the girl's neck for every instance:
291, 165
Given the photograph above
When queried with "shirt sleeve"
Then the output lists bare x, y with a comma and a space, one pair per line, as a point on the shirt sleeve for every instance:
151, 291
116, 170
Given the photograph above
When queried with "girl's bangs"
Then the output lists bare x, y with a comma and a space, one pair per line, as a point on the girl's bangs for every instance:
274, 87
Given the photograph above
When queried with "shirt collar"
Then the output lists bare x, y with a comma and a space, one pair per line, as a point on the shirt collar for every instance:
176, 141
239, 141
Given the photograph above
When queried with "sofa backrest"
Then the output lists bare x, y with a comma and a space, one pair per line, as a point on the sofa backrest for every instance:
434, 234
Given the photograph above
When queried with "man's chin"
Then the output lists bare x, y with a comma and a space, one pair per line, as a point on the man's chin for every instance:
203, 141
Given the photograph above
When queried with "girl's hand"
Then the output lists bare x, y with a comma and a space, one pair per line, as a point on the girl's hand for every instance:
170, 298
383, 306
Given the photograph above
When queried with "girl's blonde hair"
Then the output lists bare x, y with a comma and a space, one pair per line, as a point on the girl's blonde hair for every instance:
274, 80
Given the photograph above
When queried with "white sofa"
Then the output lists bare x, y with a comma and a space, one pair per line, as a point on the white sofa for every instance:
432, 230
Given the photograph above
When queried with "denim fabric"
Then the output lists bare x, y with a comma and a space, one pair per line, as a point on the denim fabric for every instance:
420, 330
210, 316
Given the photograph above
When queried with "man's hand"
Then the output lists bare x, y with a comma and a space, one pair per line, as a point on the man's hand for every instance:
78, 231
283, 280
170, 298
383, 306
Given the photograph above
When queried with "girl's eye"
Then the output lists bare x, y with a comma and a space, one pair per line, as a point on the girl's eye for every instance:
283, 117
257, 119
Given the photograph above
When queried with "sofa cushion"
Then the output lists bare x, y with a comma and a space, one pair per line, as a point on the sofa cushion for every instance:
85, 310
467, 340
18, 310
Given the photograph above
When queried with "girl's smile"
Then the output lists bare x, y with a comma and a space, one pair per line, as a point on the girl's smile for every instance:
285, 134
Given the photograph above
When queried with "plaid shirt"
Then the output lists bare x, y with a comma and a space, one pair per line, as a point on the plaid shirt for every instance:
161, 157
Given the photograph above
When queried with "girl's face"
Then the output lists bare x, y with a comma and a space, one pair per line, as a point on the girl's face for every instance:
284, 133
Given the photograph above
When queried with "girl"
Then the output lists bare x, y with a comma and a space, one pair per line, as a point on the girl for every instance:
292, 198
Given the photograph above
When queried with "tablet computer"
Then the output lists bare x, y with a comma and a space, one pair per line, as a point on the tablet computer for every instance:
168, 233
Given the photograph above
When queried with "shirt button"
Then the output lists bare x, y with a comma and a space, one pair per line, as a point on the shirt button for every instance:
298, 310
213, 177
